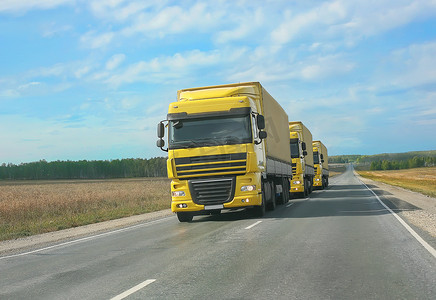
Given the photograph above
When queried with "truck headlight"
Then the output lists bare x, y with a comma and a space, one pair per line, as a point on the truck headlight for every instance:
296, 182
248, 188
317, 179
178, 194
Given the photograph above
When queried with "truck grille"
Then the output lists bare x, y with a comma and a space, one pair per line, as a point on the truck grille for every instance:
212, 191
211, 165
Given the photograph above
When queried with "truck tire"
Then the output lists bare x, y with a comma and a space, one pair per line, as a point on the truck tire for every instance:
286, 190
184, 216
273, 199
306, 188
281, 199
311, 185
259, 211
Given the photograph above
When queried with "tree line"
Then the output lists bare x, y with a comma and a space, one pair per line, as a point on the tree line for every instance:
415, 162
84, 169
403, 157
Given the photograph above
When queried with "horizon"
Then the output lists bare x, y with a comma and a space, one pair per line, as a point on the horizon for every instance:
49, 161
90, 80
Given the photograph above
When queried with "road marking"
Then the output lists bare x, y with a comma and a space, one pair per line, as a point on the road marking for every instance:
133, 289
290, 204
412, 232
87, 238
252, 225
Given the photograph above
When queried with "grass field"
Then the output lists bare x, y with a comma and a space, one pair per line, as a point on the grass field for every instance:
422, 180
32, 207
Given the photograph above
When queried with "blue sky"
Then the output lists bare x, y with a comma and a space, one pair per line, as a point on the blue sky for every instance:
91, 79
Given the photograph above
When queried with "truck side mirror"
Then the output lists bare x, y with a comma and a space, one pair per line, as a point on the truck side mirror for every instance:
262, 135
303, 146
160, 143
160, 130
304, 152
322, 156
322, 160
260, 122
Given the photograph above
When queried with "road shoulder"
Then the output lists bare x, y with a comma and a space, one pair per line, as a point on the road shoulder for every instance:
42, 240
418, 210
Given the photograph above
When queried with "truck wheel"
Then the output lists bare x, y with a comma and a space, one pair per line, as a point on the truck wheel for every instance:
306, 188
184, 216
259, 211
286, 192
311, 185
281, 199
273, 201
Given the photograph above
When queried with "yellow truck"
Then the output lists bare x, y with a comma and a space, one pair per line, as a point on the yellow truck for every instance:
228, 148
302, 159
320, 163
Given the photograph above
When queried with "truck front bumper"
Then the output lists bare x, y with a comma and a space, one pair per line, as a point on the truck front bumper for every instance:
317, 180
241, 199
297, 184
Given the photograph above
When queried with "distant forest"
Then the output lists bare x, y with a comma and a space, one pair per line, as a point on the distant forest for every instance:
390, 161
86, 169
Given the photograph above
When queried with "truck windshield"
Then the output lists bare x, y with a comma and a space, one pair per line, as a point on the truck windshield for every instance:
315, 158
212, 131
295, 151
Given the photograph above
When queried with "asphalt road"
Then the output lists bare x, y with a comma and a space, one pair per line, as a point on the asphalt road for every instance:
339, 244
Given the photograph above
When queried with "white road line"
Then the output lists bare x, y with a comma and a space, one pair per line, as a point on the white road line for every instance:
252, 225
290, 204
412, 232
86, 238
133, 289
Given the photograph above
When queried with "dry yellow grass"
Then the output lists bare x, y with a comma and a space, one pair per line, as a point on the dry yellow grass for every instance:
32, 207
422, 180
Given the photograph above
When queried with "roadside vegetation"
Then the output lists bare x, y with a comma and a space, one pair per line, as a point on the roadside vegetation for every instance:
33, 207
421, 180
413, 159
85, 169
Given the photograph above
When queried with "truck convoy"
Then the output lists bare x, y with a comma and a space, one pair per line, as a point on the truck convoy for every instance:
302, 160
320, 163
228, 148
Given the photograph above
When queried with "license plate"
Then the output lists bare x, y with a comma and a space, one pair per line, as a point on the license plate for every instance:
210, 207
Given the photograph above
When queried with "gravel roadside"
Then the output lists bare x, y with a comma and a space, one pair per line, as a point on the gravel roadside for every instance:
46, 239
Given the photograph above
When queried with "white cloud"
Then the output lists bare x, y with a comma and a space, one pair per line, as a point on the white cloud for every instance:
53, 29
21, 6
350, 20
246, 24
324, 67
295, 24
122, 10
115, 61
82, 71
162, 69
174, 20
93, 40
414, 65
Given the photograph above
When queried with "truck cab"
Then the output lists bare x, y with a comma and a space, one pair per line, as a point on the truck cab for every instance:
217, 153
